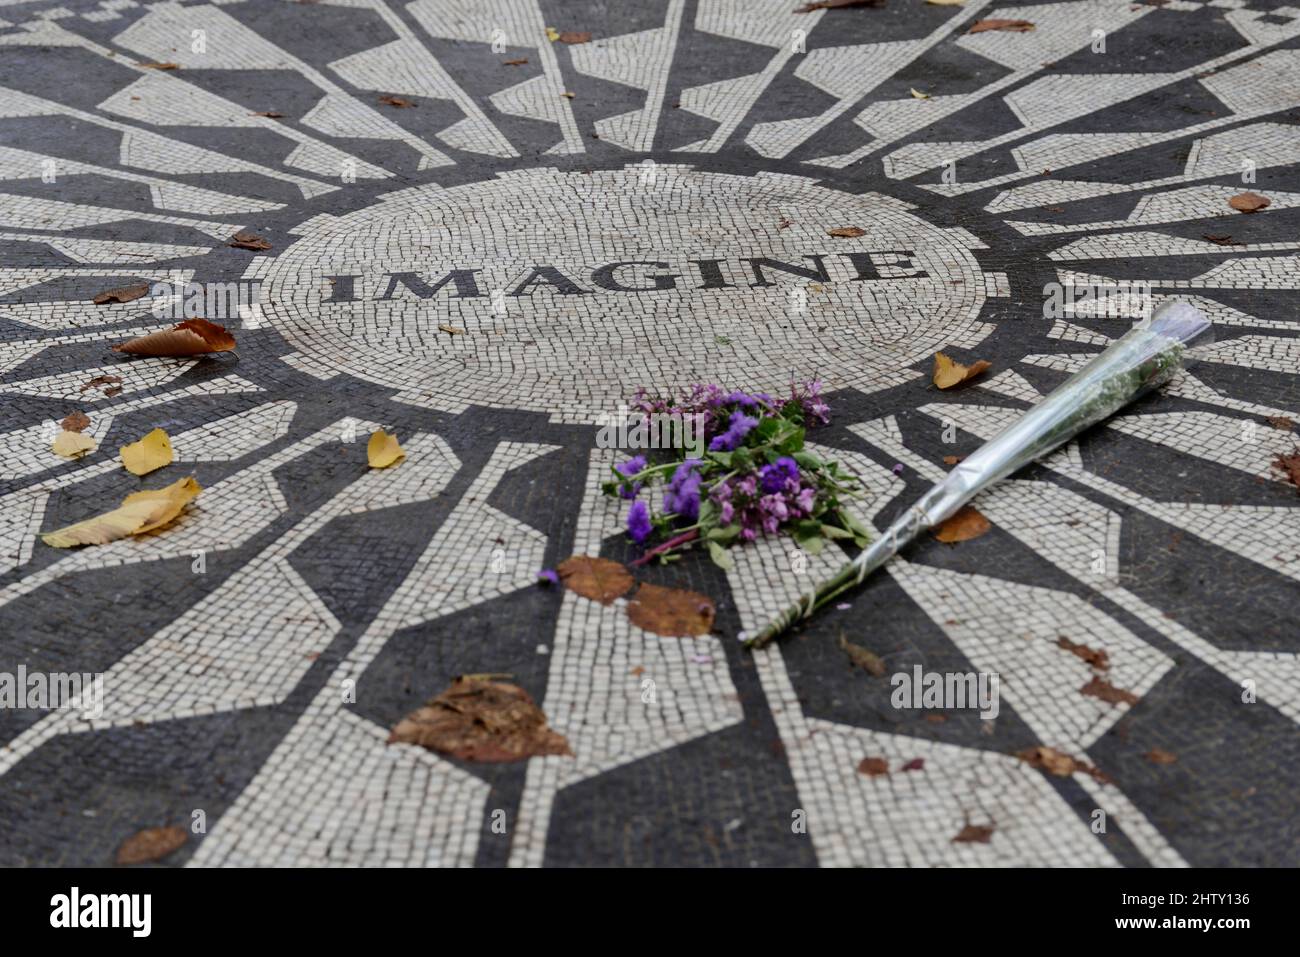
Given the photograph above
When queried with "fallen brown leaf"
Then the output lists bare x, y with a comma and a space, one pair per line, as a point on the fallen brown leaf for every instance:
1013, 26
399, 102
1283, 422
952, 459
151, 844
76, 422
839, 4
573, 37
873, 767
948, 373
916, 764
1160, 756
193, 337
108, 380
159, 66
1093, 656
1249, 202
479, 719
966, 524
599, 579
671, 612
862, 658
1057, 763
520, 62
124, 294
1221, 240
1289, 465
1101, 688
846, 232
451, 330
974, 834
269, 114
246, 240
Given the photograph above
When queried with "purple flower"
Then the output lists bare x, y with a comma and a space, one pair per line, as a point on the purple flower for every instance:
774, 476
638, 522
682, 496
726, 513
807, 499
809, 397
547, 576
629, 468
737, 428
748, 486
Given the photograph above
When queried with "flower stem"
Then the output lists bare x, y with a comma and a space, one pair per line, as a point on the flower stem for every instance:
687, 536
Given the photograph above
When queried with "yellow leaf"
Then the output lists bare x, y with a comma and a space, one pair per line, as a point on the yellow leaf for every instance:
139, 512
149, 454
72, 445
918, 95
383, 450
552, 34
948, 373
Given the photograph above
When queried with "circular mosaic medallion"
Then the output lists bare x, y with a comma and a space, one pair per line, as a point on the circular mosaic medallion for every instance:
552, 291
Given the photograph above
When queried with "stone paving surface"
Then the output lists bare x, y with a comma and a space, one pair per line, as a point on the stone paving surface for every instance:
447, 194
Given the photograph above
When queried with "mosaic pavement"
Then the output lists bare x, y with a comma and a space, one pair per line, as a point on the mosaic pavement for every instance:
448, 195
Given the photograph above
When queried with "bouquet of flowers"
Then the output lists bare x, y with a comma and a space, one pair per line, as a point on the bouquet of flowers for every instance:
744, 473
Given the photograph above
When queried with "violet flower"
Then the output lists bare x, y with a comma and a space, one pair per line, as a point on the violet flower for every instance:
638, 522
738, 427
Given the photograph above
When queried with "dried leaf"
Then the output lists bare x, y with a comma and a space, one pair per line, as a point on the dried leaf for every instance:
76, 422
399, 102
1103, 689
452, 330
1249, 202
139, 512
1221, 240
124, 294
567, 95
193, 337
478, 719
918, 95
837, 4
948, 373
269, 114
108, 380
873, 767
1057, 763
1289, 465
383, 450
1093, 656
862, 658
966, 524
846, 232
916, 764
952, 459
1013, 26
1283, 422
151, 844
520, 62
149, 454
1160, 756
671, 612
72, 445
600, 579
159, 66
573, 37
552, 34
248, 240
974, 834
